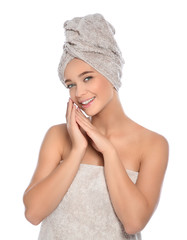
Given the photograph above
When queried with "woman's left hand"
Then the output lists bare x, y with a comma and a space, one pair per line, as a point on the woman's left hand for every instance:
99, 141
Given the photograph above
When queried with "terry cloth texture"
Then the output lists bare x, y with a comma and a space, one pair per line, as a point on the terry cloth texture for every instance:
86, 210
91, 39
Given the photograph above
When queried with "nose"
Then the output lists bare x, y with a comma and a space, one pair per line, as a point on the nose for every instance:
80, 90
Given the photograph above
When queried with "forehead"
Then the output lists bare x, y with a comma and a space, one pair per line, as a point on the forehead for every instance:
76, 66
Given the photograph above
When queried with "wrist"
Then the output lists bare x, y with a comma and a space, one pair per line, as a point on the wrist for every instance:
78, 151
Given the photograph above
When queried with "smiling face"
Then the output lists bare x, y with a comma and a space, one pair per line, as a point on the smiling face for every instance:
89, 89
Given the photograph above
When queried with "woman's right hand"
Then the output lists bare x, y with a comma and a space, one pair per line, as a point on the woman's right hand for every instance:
79, 141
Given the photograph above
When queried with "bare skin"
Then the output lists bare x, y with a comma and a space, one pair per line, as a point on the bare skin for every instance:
109, 138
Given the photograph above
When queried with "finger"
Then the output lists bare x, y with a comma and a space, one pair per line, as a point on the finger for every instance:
82, 114
84, 124
80, 122
83, 118
69, 110
73, 114
85, 128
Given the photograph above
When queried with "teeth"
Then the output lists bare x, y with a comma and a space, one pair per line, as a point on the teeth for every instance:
86, 102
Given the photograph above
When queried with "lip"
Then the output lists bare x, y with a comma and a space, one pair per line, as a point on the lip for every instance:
86, 100
87, 105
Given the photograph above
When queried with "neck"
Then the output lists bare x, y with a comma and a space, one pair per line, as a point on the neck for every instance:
111, 118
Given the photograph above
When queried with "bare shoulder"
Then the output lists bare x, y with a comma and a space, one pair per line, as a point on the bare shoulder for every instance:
155, 149
154, 160
153, 145
51, 152
59, 131
55, 136
149, 138
154, 141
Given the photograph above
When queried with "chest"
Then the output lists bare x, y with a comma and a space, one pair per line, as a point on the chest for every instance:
129, 152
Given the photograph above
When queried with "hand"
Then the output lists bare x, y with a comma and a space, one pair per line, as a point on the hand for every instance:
77, 136
98, 140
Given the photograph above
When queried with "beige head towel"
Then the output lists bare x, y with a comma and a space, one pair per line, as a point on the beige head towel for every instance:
91, 39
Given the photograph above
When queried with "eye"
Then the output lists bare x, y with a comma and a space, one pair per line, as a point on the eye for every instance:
87, 79
70, 86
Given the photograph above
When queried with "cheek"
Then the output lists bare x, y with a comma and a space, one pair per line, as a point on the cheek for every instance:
105, 88
103, 85
72, 95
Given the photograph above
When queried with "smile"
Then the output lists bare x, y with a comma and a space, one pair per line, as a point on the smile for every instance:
87, 102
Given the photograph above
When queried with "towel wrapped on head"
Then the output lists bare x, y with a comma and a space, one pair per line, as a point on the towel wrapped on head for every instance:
91, 39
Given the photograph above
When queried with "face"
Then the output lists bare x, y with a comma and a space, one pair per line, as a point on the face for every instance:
89, 89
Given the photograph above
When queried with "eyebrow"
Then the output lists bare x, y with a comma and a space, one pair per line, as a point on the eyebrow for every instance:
80, 75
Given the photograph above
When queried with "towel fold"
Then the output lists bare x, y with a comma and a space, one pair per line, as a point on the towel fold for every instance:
91, 39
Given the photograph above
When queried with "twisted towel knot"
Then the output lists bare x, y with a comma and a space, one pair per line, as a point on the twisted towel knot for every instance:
91, 39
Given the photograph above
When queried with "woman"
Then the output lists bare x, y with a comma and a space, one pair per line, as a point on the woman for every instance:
98, 177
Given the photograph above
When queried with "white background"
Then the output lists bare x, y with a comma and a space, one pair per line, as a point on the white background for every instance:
152, 36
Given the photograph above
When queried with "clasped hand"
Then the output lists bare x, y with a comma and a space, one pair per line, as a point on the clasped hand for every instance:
81, 129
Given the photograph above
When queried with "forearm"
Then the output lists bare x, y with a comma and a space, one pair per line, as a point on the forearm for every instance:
129, 203
42, 198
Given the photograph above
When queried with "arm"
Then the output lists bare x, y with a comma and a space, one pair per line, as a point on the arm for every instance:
51, 179
134, 204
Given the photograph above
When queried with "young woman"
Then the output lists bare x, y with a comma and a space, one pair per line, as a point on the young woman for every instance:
98, 177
